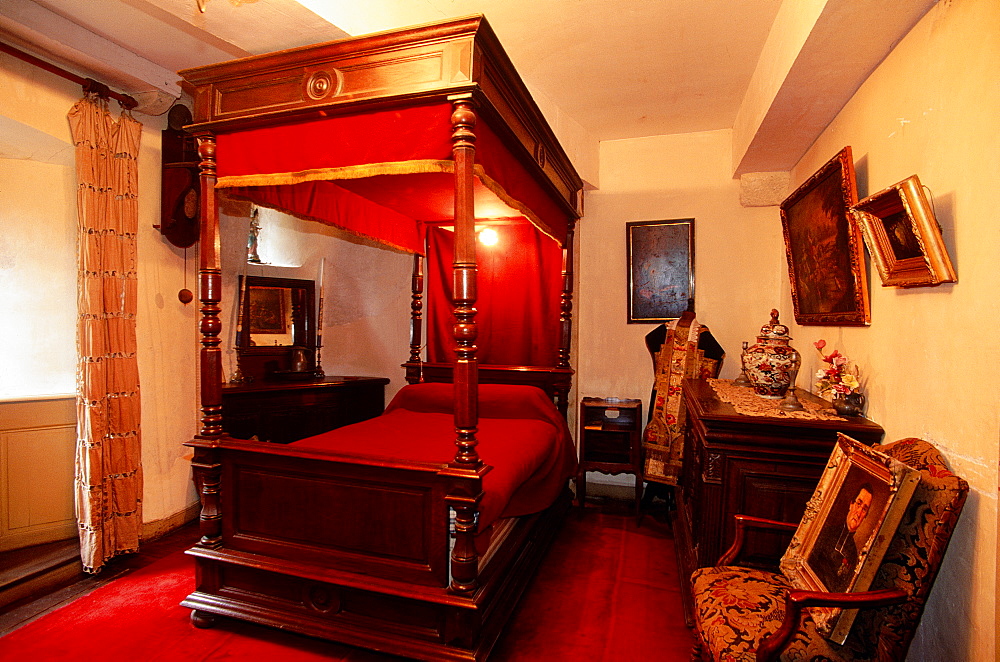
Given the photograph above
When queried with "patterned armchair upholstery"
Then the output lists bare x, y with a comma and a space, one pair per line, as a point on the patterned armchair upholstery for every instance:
747, 614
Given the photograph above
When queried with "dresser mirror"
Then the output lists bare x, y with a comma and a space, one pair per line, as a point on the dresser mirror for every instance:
277, 326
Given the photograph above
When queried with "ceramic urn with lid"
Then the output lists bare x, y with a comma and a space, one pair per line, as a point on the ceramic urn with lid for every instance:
771, 363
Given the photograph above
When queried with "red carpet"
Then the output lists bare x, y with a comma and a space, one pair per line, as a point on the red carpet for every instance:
607, 591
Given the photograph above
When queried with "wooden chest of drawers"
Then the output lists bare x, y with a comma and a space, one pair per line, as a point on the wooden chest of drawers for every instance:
282, 412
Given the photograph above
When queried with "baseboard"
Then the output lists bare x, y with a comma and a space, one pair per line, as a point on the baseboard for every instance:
161, 527
38, 570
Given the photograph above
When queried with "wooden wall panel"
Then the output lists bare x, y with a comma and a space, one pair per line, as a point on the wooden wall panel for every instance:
37, 441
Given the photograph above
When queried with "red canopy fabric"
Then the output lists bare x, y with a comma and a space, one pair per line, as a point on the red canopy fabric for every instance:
392, 168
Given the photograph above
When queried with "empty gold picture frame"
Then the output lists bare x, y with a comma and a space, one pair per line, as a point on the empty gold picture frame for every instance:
903, 236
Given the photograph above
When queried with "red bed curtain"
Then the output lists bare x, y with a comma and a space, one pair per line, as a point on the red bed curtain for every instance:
519, 287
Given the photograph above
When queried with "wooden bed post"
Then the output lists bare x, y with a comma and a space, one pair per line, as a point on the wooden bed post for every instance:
205, 463
416, 308
463, 120
566, 316
210, 293
566, 301
467, 469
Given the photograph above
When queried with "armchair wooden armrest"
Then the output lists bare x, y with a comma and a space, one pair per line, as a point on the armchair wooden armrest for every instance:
744, 522
770, 647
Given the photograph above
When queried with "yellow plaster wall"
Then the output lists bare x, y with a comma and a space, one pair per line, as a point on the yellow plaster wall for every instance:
931, 109
738, 254
40, 204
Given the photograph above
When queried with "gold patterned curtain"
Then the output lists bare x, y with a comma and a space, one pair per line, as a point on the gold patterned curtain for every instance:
108, 481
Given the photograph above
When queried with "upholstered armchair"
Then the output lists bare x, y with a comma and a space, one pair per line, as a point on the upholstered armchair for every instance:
750, 614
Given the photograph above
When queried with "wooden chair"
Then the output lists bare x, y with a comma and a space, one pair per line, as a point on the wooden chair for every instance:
749, 614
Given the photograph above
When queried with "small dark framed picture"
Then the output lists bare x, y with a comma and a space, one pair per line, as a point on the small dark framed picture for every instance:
268, 310
660, 269
825, 252
903, 236
846, 529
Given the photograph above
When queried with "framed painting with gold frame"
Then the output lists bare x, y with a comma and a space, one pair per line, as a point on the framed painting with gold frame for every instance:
846, 529
903, 236
824, 247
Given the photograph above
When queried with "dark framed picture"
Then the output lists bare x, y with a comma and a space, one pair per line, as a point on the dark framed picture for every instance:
660, 269
824, 247
847, 526
903, 236
268, 310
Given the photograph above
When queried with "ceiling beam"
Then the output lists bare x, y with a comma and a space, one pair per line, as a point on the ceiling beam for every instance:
50, 36
818, 54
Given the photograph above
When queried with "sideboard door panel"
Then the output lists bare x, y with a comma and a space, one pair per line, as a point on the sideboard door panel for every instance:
773, 490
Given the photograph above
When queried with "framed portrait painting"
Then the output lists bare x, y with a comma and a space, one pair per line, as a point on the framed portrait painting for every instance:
824, 247
660, 269
846, 529
903, 236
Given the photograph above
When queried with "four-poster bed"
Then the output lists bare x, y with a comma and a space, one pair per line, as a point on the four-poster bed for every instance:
344, 536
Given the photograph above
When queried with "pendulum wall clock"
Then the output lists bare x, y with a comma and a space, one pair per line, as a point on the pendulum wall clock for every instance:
179, 193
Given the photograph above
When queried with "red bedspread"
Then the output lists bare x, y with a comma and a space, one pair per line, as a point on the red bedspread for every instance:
521, 436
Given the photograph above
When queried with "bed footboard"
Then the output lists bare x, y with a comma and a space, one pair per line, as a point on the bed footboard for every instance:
352, 552
381, 520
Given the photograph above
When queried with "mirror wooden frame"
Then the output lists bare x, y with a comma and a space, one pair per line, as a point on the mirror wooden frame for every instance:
276, 362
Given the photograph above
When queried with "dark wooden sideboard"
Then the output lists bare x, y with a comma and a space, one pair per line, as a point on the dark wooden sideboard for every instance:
752, 465
282, 412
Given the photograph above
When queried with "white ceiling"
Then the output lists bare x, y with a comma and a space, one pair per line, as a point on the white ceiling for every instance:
612, 68
620, 69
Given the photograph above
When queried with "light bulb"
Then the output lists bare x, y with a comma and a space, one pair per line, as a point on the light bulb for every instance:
488, 237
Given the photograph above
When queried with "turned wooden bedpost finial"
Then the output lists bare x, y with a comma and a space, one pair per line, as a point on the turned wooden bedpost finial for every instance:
566, 300
466, 379
207, 479
210, 292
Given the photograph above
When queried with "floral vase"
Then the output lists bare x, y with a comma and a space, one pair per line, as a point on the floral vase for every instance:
849, 404
770, 363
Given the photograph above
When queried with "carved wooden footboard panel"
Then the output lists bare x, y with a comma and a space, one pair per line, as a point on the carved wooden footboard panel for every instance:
383, 521
352, 552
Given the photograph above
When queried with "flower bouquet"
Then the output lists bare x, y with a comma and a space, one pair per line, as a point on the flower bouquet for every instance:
840, 380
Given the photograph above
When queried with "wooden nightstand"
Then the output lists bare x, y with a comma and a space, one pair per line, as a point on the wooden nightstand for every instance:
610, 436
